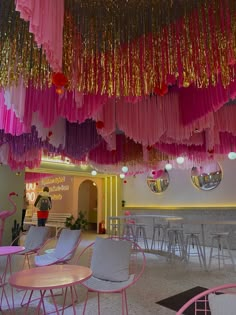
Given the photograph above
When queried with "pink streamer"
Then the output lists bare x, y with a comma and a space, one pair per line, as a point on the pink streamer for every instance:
46, 19
8, 120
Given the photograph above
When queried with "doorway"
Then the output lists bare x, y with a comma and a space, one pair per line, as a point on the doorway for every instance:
87, 202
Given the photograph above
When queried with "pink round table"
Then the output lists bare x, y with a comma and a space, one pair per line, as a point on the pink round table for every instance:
49, 278
9, 251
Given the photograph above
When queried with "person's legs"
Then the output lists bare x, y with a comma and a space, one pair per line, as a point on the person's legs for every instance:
41, 222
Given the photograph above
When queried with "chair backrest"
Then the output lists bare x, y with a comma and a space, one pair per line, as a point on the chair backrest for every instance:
67, 244
215, 301
36, 237
114, 260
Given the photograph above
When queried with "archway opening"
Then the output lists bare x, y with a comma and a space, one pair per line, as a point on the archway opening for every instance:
87, 202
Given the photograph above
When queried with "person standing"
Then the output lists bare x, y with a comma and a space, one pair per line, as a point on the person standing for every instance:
44, 203
25, 206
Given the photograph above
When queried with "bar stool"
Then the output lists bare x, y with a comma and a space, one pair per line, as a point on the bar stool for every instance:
176, 245
140, 234
114, 228
159, 235
128, 231
220, 242
193, 247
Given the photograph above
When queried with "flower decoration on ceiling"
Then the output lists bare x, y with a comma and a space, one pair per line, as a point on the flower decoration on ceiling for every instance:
114, 74
161, 91
60, 81
99, 124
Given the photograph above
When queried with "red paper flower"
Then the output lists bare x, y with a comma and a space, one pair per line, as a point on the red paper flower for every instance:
99, 124
59, 79
49, 133
125, 181
211, 151
162, 90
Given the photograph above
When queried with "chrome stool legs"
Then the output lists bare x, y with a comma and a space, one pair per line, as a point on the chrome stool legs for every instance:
222, 245
193, 247
140, 233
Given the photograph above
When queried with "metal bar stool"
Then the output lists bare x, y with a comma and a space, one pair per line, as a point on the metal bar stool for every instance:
220, 243
114, 227
193, 247
129, 231
140, 234
176, 245
158, 235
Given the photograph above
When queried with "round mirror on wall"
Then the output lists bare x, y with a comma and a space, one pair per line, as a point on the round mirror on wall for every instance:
207, 176
158, 181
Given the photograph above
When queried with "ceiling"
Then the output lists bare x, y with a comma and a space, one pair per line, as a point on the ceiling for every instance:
112, 83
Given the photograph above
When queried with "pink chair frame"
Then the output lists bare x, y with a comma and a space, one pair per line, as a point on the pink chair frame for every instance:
29, 253
4, 295
200, 301
137, 272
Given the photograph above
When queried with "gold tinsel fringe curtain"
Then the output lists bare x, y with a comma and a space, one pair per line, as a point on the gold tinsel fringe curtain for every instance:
127, 49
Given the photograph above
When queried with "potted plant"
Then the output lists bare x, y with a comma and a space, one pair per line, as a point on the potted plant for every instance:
81, 223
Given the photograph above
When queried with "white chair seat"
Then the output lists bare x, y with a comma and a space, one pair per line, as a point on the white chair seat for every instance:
65, 249
46, 259
95, 284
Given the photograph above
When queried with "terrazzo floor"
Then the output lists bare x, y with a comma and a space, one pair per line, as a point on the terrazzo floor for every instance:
160, 280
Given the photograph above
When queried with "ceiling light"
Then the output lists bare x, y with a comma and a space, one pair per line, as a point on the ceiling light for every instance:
94, 173
168, 166
124, 169
122, 175
232, 155
180, 160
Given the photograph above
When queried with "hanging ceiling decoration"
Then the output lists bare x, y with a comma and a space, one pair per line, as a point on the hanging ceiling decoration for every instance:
117, 82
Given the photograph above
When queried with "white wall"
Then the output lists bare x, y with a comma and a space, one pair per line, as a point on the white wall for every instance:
181, 191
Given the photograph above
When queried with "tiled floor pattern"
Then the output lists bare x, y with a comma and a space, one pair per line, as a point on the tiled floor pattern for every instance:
160, 280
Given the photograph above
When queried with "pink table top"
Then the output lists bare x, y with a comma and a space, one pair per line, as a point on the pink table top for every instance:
10, 250
49, 277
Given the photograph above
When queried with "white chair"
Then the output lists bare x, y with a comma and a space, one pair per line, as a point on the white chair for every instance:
66, 247
220, 300
34, 241
117, 264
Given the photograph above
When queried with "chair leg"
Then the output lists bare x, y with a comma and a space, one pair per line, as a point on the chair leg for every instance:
98, 303
8, 304
124, 303
28, 262
85, 302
